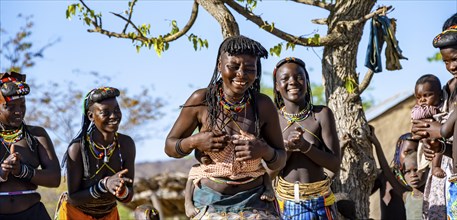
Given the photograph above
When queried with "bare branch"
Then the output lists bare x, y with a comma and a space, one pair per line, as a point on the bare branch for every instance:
141, 37
380, 10
316, 3
321, 21
128, 22
130, 15
277, 32
366, 81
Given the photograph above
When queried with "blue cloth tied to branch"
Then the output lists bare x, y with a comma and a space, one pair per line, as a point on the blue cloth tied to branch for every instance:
383, 29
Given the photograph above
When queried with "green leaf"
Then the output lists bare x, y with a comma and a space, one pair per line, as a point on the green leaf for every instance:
138, 47
350, 85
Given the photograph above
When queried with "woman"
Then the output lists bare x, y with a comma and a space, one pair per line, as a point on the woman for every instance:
24, 149
311, 141
100, 160
238, 128
436, 204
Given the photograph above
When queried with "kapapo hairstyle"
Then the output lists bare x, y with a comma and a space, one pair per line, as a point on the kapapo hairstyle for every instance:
279, 101
237, 45
13, 86
450, 22
447, 38
94, 96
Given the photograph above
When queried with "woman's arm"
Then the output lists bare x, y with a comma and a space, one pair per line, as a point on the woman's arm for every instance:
330, 160
399, 188
49, 174
128, 149
180, 141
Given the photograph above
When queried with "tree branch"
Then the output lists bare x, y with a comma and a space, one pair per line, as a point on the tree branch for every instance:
321, 21
141, 37
276, 31
366, 81
316, 3
130, 15
380, 10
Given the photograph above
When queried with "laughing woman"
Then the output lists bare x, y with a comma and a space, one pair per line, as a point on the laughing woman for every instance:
100, 161
28, 156
238, 128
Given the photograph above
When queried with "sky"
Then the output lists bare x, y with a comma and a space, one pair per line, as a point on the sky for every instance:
181, 70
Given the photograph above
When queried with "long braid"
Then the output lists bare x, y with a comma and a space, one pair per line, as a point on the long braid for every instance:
237, 45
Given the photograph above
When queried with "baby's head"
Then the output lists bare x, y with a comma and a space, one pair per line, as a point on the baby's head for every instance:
428, 90
146, 212
413, 177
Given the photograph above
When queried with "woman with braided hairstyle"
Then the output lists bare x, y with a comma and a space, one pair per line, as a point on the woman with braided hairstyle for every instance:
23, 149
100, 161
310, 138
238, 129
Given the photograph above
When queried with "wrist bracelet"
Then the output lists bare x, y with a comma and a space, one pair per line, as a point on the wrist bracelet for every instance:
3, 180
307, 150
179, 149
273, 159
27, 172
101, 185
443, 148
93, 192
125, 194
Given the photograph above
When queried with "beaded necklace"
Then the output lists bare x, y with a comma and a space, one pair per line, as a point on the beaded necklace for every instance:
107, 152
234, 107
292, 118
8, 137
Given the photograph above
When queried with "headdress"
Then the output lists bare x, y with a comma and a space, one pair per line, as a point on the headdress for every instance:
13, 86
447, 38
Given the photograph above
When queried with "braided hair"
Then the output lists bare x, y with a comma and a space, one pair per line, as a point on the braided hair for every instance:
94, 96
236, 45
399, 149
279, 101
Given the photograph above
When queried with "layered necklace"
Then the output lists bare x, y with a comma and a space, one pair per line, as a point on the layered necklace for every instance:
233, 107
100, 152
9, 137
292, 118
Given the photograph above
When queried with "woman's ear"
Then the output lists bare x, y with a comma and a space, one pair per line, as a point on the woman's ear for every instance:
90, 115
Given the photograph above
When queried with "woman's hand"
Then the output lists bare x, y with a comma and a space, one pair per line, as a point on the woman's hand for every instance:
210, 141
247, 146
115, 184
12, 164
425, 128
295, 141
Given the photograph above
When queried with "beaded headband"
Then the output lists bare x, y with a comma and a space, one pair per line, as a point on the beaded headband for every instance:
446, 38
99, 94
289, 60
13, 87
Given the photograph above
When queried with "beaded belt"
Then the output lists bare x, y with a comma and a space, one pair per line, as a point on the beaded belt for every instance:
14, 193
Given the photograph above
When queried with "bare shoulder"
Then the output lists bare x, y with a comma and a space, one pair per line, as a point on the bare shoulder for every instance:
264, 102
125, 139
74, 150
37, 131
322, 111
197, 98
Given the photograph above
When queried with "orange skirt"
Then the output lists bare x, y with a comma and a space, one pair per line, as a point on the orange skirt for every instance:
69, 212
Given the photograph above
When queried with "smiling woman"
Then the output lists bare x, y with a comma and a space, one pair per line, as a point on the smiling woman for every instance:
100, 160
238, 128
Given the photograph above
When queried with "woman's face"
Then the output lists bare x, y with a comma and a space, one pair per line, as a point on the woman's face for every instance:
106, 115
291, 82
12, 113
238, 73
449, 56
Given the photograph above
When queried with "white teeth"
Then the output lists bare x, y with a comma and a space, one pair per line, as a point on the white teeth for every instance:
240, 83
293, 90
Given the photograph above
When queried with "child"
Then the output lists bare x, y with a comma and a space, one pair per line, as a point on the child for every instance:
416, 180
428, 104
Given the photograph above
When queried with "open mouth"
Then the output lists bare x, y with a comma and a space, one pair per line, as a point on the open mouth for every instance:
240, 83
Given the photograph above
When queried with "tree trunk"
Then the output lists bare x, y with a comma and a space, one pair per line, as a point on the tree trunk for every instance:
358, 172
217, 9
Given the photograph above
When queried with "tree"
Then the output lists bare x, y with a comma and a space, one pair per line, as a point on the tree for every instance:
54, 105
343, 88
